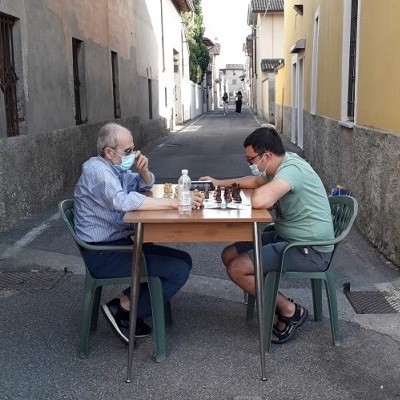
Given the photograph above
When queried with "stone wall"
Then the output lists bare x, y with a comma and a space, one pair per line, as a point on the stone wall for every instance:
35, 170
367, 162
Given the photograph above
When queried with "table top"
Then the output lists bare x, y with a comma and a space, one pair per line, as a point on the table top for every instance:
203, 215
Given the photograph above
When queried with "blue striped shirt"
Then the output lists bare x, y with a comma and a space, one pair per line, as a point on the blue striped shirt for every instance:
102, 196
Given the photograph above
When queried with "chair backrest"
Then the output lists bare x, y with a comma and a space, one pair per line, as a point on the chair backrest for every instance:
66, 208
344, 210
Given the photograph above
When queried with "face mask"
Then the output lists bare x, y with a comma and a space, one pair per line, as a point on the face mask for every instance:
255, 171
126, 163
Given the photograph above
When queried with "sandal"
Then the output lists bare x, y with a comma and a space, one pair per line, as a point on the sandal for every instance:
292, 323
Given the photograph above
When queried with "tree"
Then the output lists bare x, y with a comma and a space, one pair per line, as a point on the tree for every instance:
198, 52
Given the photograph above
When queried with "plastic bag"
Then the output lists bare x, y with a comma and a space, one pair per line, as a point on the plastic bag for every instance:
340, 190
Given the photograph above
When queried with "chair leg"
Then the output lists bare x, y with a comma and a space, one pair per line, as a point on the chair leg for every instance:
157, 306
271, 287
89, 293
251, 302
168, 314
316, 286
332, 304
95, 309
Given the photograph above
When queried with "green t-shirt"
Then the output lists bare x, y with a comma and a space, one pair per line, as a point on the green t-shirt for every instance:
303, 214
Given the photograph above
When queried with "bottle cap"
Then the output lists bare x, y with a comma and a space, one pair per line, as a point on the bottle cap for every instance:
185, 172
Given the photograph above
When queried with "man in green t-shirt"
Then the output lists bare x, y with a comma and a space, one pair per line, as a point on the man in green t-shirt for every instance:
286, 185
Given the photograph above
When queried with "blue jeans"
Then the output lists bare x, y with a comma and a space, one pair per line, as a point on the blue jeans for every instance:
172, 266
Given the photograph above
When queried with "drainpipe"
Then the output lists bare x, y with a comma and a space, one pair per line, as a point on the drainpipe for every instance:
255, 86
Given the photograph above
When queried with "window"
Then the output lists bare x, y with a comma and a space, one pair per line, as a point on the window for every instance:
115, 84
314, 65
8, 76
349, 63
79, 81
150, 99
352, 62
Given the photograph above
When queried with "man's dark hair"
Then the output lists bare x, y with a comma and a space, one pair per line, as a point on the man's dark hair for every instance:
265, 139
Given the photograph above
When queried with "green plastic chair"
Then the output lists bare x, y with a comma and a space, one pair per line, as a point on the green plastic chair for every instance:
93, 288
344, 211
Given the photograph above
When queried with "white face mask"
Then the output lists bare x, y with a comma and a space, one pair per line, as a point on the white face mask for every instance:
255, 171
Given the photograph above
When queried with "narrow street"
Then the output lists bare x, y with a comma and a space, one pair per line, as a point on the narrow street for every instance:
212, 352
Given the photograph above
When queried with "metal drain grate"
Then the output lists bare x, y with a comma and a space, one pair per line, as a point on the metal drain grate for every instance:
30, 280
374, 302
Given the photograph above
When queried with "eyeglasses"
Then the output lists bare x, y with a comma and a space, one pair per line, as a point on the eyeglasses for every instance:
250, 159
127, 151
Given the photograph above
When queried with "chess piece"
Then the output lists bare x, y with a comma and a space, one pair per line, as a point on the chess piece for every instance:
217, 195
167, 190
206, 192
236, 192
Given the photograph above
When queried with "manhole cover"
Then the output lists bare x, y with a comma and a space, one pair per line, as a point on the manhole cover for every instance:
374, 302
30, 280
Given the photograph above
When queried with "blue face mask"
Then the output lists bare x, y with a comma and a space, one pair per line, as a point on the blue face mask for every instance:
126, 163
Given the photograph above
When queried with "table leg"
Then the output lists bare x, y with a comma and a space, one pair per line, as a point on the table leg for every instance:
259, 294
135, 283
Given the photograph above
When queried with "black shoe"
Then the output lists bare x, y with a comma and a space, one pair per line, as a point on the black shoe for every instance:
142, 329
118, 318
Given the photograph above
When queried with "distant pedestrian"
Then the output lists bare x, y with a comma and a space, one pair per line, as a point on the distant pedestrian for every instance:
239, 102
225, 102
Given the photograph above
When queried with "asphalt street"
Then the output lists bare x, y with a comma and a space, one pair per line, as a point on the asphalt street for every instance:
212, 352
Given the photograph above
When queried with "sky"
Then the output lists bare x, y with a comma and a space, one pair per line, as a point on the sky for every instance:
226, 20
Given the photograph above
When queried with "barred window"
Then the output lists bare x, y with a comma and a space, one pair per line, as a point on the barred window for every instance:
115, 84
79, 81
8, 76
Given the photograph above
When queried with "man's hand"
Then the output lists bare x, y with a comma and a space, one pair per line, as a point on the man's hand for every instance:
209, 178
142, 165
141, 162
197, 199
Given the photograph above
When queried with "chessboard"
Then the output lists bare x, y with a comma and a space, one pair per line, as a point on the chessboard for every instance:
226, 198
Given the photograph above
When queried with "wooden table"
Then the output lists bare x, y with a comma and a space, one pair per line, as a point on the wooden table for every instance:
204, 225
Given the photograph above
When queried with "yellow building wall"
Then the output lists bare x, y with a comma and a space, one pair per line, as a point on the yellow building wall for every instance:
329, 63
378, 60
378, 91
329, 59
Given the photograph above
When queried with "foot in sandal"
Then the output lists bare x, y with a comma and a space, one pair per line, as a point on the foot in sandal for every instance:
290, 325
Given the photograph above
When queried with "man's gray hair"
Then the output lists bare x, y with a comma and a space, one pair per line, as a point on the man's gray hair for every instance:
107, 137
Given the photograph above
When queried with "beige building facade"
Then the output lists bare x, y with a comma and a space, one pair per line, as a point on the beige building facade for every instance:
337, 98
232, 81
267, 42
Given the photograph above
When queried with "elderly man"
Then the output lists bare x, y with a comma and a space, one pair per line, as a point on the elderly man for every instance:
287, 184
106, 190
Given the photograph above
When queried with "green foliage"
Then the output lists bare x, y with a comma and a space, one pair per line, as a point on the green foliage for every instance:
198, 52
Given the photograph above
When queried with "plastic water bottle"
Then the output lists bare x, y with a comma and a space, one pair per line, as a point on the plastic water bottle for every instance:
184, 193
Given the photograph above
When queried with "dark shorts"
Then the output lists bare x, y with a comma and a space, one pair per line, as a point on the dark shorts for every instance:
298, 259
